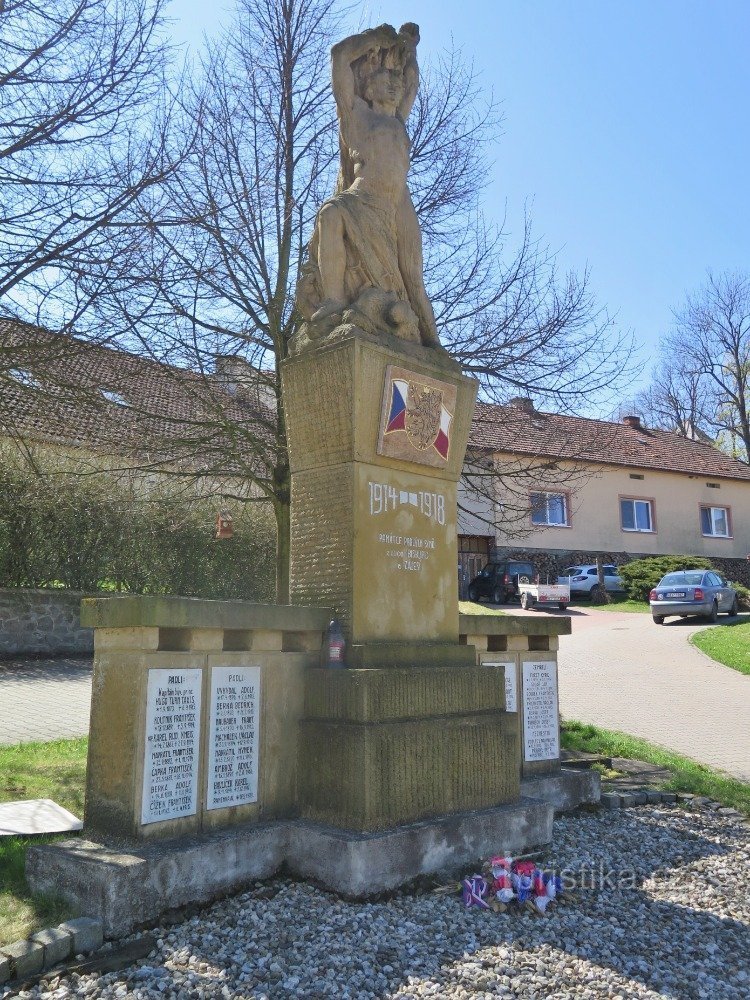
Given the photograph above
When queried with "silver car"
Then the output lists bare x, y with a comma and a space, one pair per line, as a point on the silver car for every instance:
692, 592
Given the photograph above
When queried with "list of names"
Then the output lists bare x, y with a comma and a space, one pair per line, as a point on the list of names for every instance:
541, 724
234, 737
170, 766
511, 696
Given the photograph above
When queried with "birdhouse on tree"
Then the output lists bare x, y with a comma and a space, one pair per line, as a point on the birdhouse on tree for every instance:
224, 525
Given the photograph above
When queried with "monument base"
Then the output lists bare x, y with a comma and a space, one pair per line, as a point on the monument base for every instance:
566, 790
126, 887
359, 866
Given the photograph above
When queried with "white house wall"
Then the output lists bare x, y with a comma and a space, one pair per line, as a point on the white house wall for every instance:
676, 500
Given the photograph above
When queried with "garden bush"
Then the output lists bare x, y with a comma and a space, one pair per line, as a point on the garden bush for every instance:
104, 531
743, 595
641, 575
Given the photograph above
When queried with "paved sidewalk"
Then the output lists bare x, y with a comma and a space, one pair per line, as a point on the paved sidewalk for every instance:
621, 671
44, 699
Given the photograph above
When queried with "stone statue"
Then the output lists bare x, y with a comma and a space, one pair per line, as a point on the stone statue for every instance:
364, 267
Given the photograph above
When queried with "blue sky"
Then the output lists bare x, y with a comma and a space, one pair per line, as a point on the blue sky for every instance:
626, 132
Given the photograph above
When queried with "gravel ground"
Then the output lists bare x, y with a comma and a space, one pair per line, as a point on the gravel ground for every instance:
672, 920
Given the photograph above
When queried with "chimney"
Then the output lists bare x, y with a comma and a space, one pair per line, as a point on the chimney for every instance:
239, 378
632, 421
522, 403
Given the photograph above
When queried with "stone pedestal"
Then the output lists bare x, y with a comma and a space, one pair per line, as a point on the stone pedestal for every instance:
377, 430
526, 649
194, 711
379, 748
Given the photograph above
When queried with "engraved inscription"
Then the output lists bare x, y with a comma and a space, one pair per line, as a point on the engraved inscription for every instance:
233, 737
541, 726
385, 498
170, 764
511, 694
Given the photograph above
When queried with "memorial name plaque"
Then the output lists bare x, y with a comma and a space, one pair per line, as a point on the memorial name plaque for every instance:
541, 723
170, 766
233, 737
511, 688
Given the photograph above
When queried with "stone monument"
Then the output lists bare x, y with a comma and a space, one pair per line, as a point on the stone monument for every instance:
378, 419
221, 745
378, 413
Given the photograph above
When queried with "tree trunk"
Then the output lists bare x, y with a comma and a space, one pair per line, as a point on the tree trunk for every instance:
599, 593
283, 548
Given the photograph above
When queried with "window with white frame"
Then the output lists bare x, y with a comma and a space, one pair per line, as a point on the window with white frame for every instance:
715, 521
636, 515
549, 508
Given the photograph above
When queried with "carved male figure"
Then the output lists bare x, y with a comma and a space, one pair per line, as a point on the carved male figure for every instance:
365, 257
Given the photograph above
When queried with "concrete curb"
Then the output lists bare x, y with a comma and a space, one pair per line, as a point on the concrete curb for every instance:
47, 947
611, 799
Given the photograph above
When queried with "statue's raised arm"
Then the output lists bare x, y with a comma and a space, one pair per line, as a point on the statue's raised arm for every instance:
364, 266
410, 34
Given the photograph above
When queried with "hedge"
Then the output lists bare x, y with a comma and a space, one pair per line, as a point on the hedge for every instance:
642, 575
103, 531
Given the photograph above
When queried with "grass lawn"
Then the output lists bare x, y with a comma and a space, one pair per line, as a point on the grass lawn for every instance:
687, 775
729, 644
618, 604
56, 771
473, 608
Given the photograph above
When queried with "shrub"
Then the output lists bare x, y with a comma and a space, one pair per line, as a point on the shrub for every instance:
743, 595
60, 528
642, 575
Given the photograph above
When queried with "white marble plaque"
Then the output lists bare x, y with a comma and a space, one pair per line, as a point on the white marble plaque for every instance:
541, 723
233, 737
170, 765
511, 687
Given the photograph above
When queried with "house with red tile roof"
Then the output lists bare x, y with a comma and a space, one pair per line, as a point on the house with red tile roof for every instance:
557, 488
586, 487
116, 408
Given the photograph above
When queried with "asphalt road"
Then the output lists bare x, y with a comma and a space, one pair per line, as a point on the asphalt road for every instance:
621, 671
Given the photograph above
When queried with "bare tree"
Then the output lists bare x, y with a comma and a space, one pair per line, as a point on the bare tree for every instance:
702, 384
228, 233
80, 81
674, 399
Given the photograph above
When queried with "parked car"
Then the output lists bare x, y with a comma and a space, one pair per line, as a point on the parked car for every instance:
583, 579
498, 581
692, 592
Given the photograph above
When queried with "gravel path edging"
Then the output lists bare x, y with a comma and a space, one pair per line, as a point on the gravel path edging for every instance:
680, 927
50, 946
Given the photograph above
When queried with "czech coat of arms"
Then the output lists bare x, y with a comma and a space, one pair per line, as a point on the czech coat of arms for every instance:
422, 419
417, 417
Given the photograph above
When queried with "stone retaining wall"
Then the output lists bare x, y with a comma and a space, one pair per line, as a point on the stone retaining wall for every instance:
42, 622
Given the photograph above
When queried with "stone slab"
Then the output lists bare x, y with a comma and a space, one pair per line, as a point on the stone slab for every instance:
566, 790
411, 693
26, 958
57, 943
35, 816
133, 610
131, 886
375, 776
4, 968
383, 655
513, 625
361, 866
126, 890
